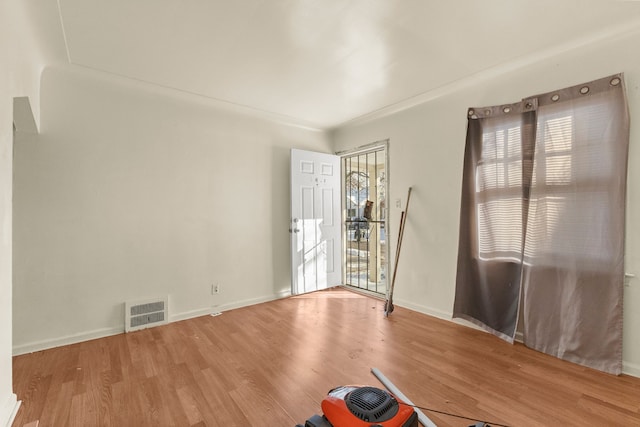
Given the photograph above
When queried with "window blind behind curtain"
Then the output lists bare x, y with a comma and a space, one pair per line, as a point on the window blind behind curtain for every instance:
490, 249
542, 220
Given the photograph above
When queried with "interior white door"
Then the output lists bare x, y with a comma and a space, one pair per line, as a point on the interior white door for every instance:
315, 221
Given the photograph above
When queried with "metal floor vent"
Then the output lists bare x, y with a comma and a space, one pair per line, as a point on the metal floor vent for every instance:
145, 314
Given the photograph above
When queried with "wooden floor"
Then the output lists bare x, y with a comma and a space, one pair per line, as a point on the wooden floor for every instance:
272, 364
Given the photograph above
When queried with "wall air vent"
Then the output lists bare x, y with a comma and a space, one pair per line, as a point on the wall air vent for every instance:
145, 314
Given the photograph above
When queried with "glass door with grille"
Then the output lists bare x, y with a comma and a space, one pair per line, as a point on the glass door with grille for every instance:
365, 231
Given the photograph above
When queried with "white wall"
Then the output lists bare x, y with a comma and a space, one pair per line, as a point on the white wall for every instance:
426, 152
22, 59
7, 398
132, 191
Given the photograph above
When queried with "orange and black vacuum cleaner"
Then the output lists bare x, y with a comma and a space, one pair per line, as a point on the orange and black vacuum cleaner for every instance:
363, 406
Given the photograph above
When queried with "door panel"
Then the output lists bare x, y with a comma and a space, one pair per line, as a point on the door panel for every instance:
315, 221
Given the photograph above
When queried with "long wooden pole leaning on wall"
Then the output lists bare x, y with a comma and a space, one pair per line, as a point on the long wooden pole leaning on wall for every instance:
388, 306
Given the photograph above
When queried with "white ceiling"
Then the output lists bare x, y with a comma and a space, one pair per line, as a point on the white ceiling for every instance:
322, 62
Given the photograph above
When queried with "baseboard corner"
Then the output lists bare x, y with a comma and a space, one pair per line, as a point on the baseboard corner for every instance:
9, 410
632, 369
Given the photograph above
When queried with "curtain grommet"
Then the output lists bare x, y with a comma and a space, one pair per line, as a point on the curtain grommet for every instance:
506, 110
555, 97
615, 81
584, 90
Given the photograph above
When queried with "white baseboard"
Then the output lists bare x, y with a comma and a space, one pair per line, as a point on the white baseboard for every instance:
106, 332
445, 315
228, 306
9, 410
632, 369
252, 301
440, 314
519, 337
191, 314
66, 340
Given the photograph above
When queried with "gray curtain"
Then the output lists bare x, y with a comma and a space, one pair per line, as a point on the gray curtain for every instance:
491, 241
542, 221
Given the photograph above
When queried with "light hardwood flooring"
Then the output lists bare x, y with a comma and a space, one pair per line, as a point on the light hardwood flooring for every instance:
272, 364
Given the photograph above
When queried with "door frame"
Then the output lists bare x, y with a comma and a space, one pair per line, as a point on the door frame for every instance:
364, 149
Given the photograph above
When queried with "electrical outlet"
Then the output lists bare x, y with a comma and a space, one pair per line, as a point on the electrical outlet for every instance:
216, 289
